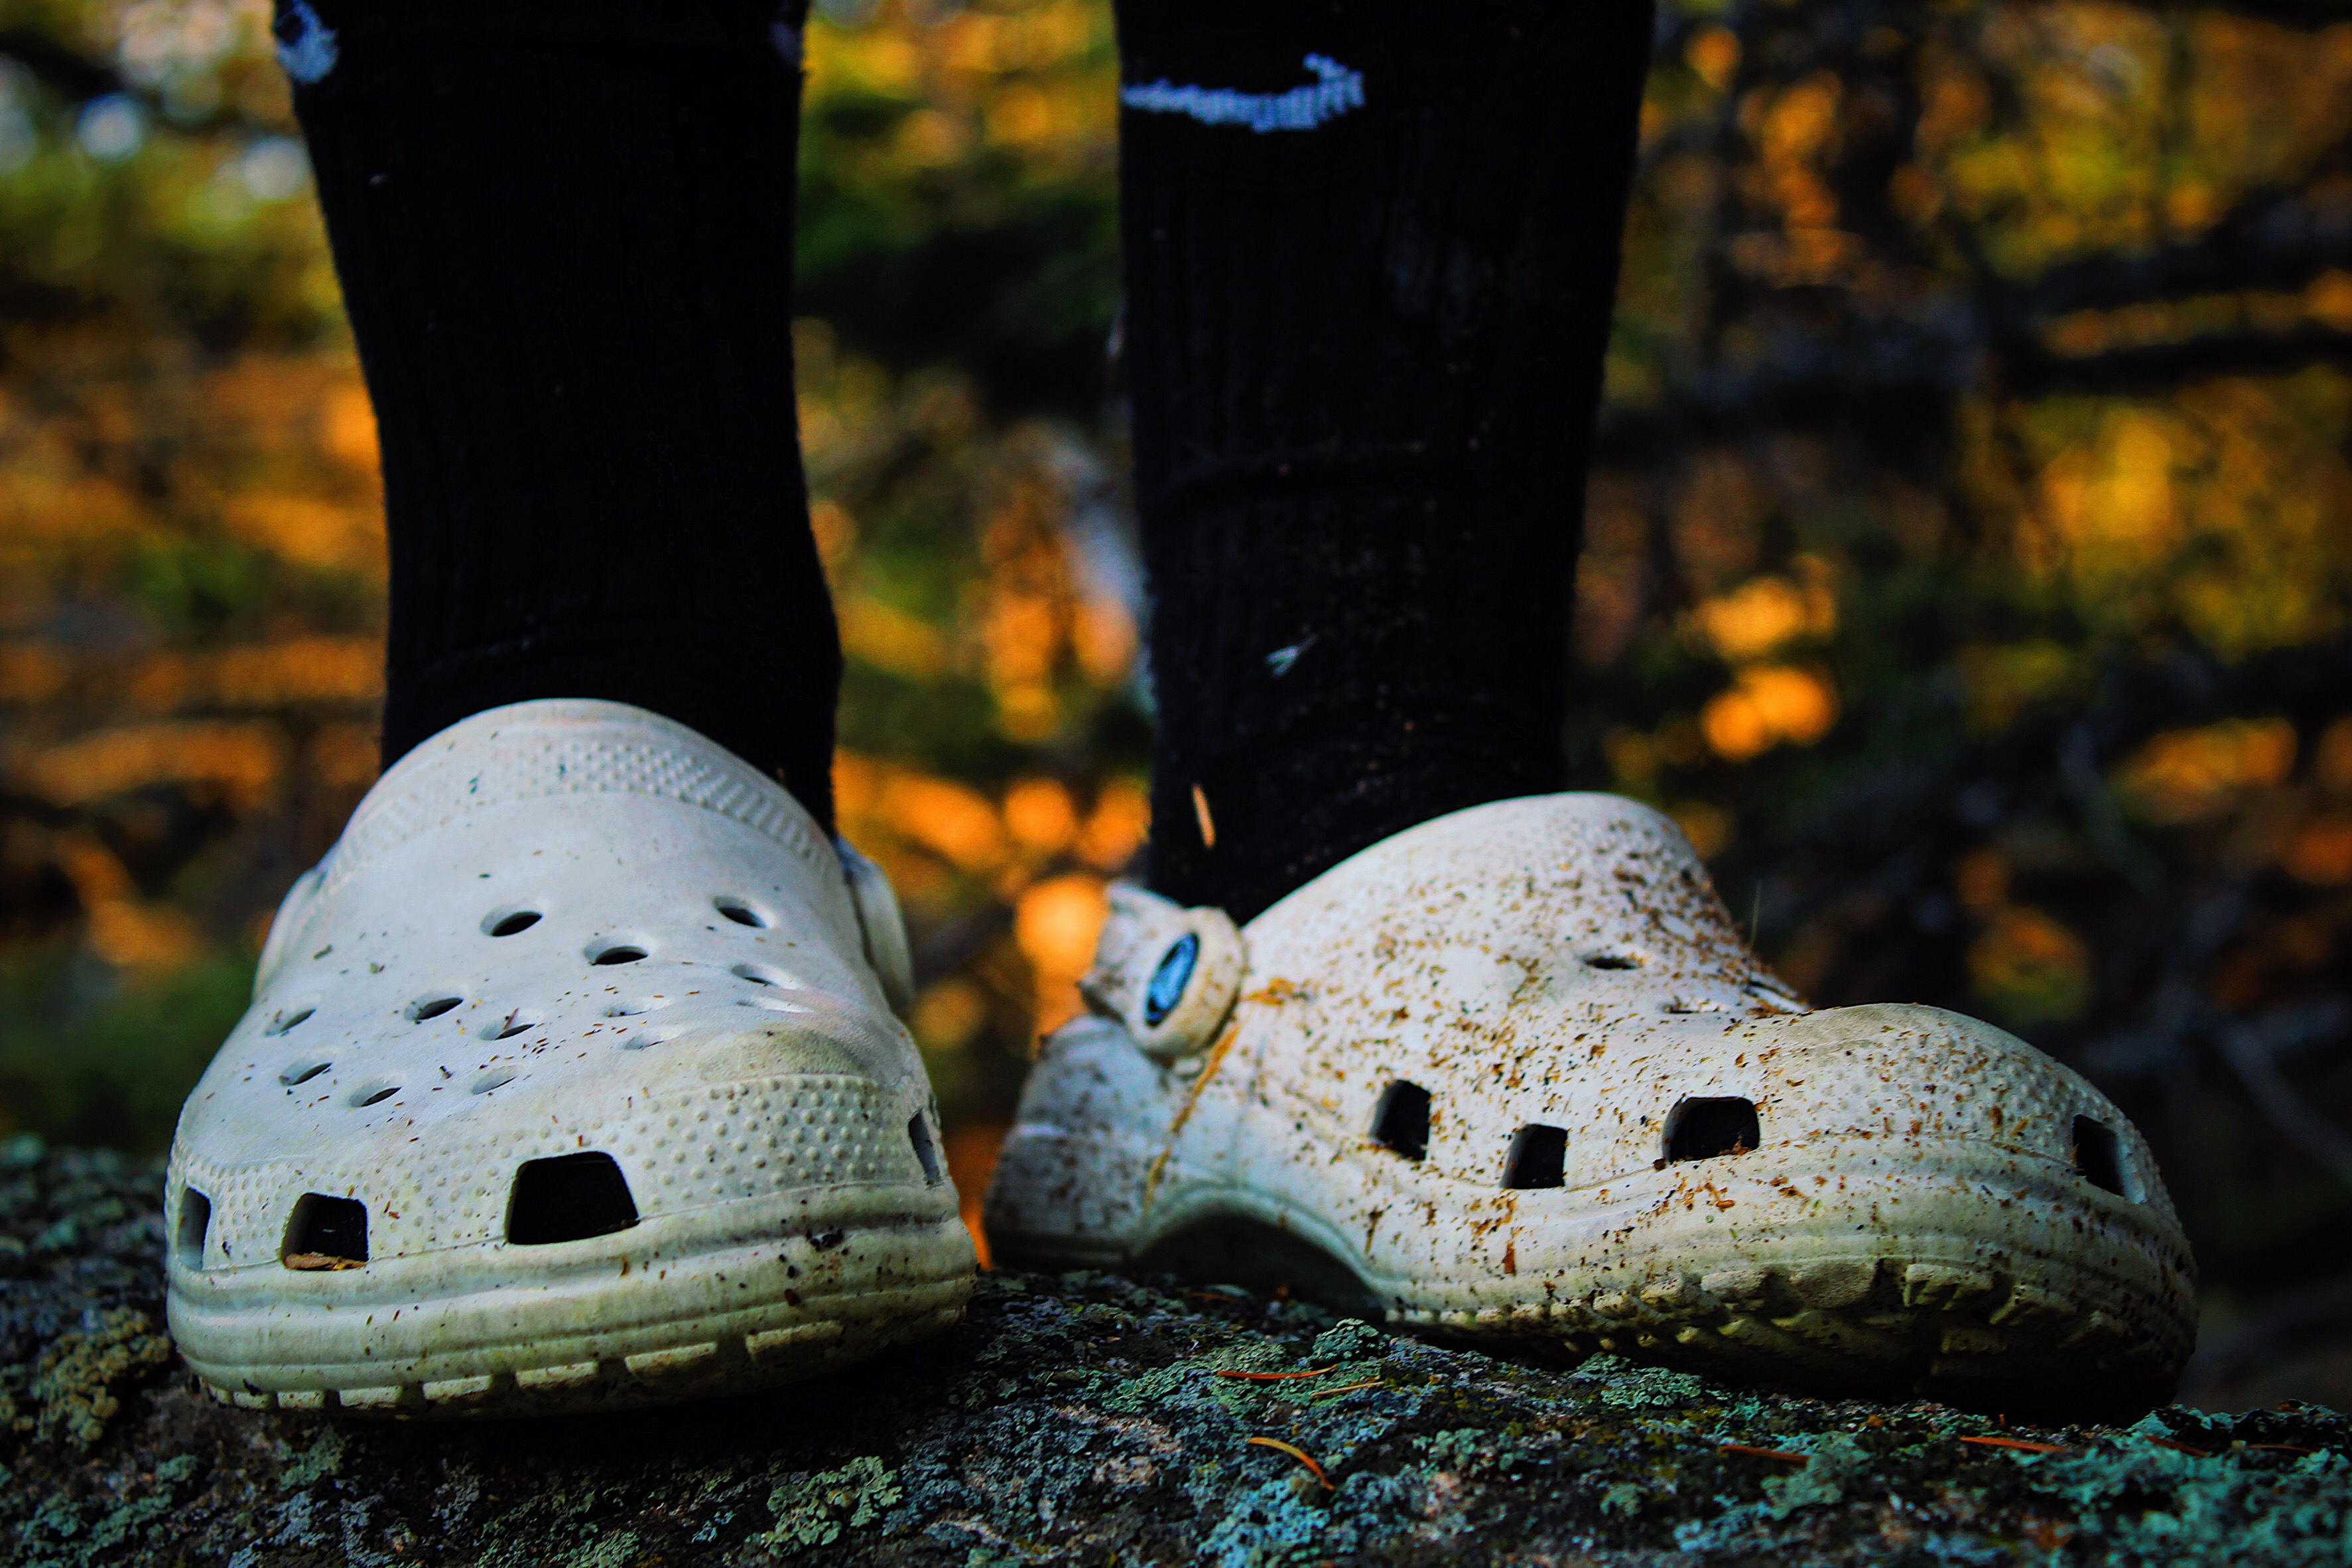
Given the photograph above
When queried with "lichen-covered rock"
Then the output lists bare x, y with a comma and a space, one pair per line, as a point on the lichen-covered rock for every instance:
73, 1387
1087, 1419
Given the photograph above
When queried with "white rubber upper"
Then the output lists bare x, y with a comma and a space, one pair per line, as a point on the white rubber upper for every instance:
564, 929
1557, 977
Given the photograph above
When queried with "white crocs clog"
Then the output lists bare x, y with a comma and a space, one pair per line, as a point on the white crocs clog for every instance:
1512, 1074
569, 1080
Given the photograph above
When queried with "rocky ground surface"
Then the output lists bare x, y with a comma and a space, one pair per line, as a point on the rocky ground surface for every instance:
1088, 1420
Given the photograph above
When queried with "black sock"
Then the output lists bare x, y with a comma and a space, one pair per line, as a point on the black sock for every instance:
564, 230
1365, 358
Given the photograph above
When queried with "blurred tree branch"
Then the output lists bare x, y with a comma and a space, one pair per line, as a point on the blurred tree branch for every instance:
65, 70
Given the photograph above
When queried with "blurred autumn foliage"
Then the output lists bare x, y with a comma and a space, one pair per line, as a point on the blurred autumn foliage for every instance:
1968, 563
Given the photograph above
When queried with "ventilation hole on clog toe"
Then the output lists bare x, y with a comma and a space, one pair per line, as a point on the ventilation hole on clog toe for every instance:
188, 1235
520, 1022
568, 1197
645, 1039
741, 914
771, 1005
1402, 1120
497, 1078
302, 1072
634, 1006
927, 1153
758, 974
285, 1021
426, 1007
2099, 1157
622, 953
325, 1232
1614, 960
509, 922
1705, 1129
372, 1094
1538, 1157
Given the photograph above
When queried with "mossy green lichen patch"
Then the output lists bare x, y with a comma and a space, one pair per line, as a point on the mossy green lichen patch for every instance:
1835, 1462
76, 1385
813, 1511
69, 1531
322, 1457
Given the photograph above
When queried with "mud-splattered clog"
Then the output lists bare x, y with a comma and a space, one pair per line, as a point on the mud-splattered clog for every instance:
1513, 1075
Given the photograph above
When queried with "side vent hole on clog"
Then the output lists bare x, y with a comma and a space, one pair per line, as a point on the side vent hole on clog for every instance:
509, 921
741, 914
372, 1094
497, 1078
757, 974
325, 1233
631, 1007
1614, 960
569, 1197
1538, 1157
620, 953
522, 1021
1402, 1120
645, 1039
302, 1072
2099, 1157
188, 1235
927, 1153
426, 1007
285, 1021
1705, 1129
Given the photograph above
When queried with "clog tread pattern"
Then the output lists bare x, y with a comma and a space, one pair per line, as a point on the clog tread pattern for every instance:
695, 1368
1942, 1328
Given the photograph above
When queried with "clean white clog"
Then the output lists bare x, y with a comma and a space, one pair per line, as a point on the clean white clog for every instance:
1512, 1074
570, 1079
